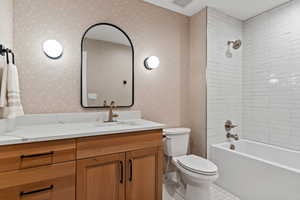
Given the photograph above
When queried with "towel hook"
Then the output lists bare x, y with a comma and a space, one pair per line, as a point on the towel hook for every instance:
2, 50
5, 52
13, 55
7, 55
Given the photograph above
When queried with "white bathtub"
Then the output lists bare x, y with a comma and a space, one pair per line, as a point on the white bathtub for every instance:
257, 171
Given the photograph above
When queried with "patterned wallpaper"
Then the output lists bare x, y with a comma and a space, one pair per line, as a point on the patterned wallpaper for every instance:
53, 86
6, 25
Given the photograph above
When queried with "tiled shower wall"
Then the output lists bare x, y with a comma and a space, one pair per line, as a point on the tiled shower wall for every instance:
224, 76
271, 77
259, 87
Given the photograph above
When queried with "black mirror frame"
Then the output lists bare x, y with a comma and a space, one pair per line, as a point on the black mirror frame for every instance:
132, 48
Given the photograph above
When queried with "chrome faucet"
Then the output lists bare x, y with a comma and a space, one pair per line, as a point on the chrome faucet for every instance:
111, 114
228, 126
233, 136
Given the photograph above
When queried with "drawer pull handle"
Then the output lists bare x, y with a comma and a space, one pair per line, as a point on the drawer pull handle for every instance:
130, 170
37, 155
121, 172
36, 191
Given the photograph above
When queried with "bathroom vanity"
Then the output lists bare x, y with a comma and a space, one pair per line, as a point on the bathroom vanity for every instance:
83, 161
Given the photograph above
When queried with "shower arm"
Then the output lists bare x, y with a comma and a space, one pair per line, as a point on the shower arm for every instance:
230, 42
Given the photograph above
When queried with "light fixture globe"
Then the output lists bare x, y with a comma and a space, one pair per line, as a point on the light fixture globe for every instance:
151, 62
53, 49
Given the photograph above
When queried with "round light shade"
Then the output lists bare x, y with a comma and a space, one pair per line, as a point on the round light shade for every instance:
53, 49
152, 62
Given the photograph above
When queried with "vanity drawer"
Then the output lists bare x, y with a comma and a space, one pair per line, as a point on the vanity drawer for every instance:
52, 182
116, 143
22, 156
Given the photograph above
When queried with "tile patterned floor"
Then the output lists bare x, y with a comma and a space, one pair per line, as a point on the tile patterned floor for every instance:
217, 193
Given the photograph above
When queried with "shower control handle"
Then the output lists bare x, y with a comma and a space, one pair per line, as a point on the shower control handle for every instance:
234, 136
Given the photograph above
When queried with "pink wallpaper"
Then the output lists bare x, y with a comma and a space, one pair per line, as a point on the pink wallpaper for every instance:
52, 86
6, 25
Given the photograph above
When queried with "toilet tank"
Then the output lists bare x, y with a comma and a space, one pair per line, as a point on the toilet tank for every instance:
176, 141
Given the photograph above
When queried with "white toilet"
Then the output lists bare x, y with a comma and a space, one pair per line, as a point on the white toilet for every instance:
194, 173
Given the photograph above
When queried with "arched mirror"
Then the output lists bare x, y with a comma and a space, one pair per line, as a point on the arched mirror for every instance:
107, 67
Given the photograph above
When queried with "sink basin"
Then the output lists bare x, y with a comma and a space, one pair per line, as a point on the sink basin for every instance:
120, 123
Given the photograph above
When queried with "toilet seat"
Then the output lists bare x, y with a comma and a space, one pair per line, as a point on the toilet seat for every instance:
197, 165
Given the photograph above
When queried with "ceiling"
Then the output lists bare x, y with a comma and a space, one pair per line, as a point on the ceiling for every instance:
241, 9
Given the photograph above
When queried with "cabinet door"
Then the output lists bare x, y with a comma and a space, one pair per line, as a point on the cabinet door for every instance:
101, 178
144, 174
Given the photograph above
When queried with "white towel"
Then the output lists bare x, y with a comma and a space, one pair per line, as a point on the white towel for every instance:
3, 92
12, 107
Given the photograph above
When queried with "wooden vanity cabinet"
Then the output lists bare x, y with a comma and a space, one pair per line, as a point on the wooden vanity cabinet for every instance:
101, 178
144, 174
52, 182
23, 156
38, 171
127, 166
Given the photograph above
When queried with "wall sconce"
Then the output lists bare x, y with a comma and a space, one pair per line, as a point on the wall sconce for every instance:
151, 62
53, 49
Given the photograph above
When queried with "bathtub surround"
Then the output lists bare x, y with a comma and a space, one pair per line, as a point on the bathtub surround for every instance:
258, 87
224, 75
53, 86
271, 73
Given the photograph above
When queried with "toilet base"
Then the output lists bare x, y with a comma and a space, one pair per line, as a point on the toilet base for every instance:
181, 191
200, 192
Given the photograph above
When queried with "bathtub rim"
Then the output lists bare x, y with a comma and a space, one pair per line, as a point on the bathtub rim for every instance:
285, 167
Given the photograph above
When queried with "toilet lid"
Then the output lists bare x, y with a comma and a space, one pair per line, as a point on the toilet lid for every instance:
176, 131
197, 164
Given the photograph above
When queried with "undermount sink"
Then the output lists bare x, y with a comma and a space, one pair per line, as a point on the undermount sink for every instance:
118, 123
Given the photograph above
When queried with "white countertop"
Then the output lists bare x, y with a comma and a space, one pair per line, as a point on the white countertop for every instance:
67, 130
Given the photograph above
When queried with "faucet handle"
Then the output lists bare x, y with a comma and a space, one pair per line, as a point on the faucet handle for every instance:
113, 104
105, 103
233, 136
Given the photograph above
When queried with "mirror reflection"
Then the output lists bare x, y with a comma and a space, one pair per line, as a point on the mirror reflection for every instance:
107, 67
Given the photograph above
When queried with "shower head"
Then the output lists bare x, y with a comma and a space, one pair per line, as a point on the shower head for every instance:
235, 44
